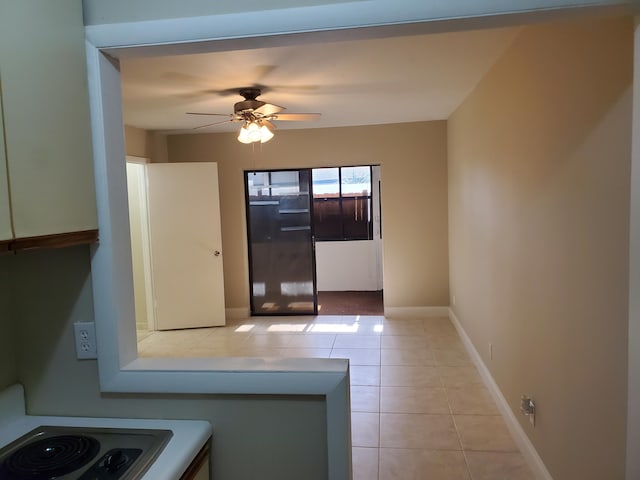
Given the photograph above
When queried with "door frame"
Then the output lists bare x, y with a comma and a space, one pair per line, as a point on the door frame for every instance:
145, 242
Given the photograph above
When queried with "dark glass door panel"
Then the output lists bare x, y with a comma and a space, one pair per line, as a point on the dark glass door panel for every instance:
281, 251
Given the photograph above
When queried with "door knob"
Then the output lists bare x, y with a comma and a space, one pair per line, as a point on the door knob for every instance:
216, 253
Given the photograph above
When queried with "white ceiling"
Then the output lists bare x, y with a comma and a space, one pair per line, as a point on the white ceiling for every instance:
350, 82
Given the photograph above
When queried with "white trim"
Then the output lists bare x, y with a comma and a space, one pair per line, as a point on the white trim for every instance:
119, 368
412, 312
376, 182
237, 313
334, 17
519, 435
145, 242
633, 374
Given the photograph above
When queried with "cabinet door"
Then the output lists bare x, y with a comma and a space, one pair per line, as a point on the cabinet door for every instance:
199, 468
47, 126
5, 213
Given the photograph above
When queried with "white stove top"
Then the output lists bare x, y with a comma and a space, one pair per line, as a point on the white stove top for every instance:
189, 436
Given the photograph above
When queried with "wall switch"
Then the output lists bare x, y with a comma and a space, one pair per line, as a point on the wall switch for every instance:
453, 299
85, 334
491, 351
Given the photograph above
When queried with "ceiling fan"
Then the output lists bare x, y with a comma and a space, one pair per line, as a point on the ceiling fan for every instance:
257, 116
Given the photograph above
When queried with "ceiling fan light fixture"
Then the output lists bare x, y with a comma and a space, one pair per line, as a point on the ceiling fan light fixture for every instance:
253, 131
243, 136
265, 133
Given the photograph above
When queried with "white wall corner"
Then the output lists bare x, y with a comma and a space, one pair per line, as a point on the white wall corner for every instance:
527, 449
413, 312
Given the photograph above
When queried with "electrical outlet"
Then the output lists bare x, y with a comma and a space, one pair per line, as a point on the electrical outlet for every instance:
528, 408
85, 335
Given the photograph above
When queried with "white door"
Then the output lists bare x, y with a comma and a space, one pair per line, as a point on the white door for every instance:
186, 245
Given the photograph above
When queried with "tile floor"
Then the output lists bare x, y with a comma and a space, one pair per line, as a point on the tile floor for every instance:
419, 407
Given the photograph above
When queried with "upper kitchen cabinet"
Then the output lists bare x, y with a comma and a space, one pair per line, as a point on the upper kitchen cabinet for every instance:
46, 122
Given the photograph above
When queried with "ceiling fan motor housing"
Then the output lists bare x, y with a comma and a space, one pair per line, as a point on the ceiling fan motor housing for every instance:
249, 103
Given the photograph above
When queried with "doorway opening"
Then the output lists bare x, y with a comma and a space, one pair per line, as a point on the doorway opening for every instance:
315, 242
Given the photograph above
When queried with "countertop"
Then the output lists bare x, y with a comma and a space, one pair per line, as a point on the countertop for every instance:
189, 436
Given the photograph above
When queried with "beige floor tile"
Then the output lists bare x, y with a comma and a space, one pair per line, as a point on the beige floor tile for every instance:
358, 356
460, 376
365, 463
409, 376
365, 399
269, 340
365, 429
413, 400
404, 341
402, 328
445, 341
416, 322
428, 432
340, 328
498, 466
357, 341
285, 326
235, 329
438, 325
407, 464
425, 368
141, 334
485, 433
211, 341
364, 375
312, 341
254, 351
414, 356
471, 401
451, 357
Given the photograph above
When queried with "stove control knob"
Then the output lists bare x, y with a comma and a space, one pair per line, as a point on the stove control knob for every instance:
113, 461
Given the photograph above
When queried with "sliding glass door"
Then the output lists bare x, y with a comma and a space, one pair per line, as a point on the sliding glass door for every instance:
281, 249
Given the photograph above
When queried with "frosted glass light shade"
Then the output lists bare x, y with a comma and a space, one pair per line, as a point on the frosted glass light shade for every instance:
255, 132
265, 134
243, 136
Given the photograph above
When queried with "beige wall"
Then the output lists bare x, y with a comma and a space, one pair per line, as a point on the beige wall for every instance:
8, 359
147, 144
539, 160
414, 197
266, 437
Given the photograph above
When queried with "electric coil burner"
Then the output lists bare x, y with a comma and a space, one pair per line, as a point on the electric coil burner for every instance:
79, 453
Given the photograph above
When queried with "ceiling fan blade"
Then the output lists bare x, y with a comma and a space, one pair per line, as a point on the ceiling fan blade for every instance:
268, 109
216, 114
270, 125
214, 123
296, 117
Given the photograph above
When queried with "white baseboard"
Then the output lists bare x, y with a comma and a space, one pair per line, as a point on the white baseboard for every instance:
236, 313
409, 312
520, 437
